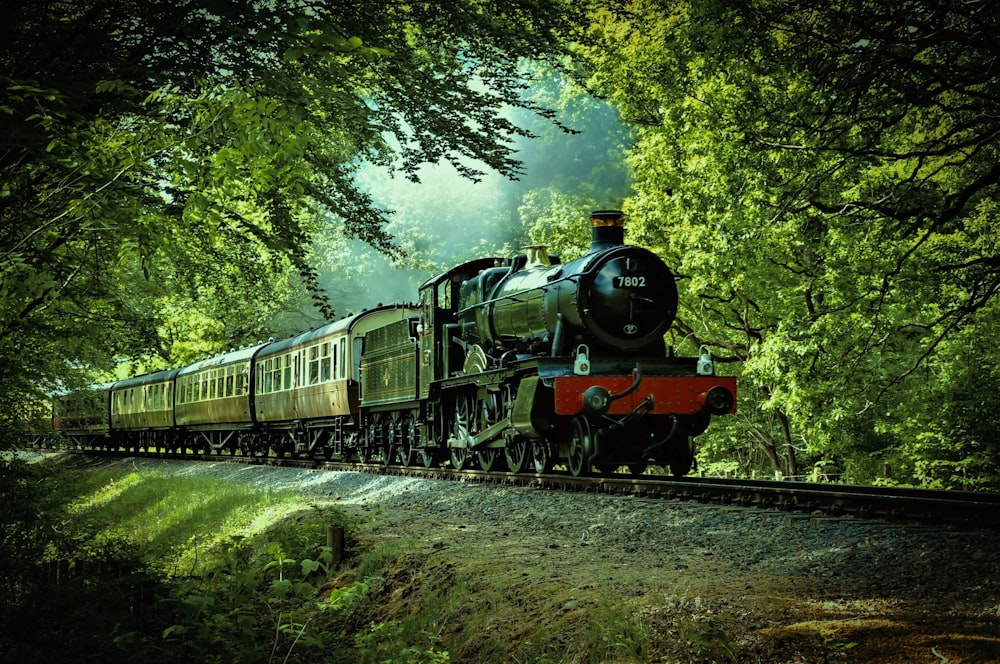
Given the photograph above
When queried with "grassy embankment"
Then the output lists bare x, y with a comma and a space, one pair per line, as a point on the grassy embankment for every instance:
116, 564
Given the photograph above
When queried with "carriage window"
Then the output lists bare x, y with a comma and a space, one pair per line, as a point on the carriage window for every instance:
268, 375
325, 370
288, 373
343, 358
276, 374
313, 364
229, 380
241, 379
220, 383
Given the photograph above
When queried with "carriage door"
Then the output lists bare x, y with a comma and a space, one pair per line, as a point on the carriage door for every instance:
297, 382
426, 336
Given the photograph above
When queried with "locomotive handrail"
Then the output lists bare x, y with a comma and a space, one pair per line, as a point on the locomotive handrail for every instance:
514, 296
636, 379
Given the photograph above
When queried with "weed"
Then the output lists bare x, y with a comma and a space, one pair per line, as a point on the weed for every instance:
388, 643
707, 639
616, 635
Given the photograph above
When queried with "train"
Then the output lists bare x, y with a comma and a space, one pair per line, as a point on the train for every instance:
513, 363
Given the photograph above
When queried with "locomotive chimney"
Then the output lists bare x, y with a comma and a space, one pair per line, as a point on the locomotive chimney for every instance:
608, 229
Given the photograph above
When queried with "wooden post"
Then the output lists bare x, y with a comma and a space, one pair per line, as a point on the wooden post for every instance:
335, 540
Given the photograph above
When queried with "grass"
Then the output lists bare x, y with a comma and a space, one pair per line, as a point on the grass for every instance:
231, 573
182, 568
178, 522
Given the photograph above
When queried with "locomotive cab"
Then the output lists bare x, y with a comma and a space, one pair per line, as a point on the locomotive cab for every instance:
442, 349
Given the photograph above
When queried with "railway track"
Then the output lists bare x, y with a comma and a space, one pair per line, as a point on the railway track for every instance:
963, 509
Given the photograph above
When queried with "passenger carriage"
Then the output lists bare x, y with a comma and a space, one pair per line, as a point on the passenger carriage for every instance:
82, 416
214, 408
142, 411
307, 388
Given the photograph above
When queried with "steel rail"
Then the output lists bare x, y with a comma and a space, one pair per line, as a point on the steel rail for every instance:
963, 509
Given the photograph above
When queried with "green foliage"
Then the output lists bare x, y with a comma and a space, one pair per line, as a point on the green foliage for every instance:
167, 165
386, 643
821, 193
52, 577
197, 569
252, 612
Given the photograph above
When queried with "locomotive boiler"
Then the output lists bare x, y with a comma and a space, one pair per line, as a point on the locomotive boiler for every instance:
616, 297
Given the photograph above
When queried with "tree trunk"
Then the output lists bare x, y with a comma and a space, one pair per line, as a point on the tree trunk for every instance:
786, 434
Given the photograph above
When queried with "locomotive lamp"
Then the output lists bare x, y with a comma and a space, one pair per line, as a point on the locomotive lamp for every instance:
705, 365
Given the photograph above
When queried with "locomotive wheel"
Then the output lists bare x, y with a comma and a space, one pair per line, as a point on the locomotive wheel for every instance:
541, 457
408, 453
462, 428
516, 454
681, 464
490, 459
459, 457
464, 424
581, 447
408, 447
387, 444
428, 458
369, 445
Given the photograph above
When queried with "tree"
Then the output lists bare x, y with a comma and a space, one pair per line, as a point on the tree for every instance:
191, 150
825, 176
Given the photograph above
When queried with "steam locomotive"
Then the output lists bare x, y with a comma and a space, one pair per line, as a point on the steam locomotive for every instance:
504, 363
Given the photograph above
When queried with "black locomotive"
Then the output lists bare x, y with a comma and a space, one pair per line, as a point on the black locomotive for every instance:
516, 363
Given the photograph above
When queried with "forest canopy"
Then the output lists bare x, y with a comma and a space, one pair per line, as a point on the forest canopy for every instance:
167, 164
822, 178
826, 179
